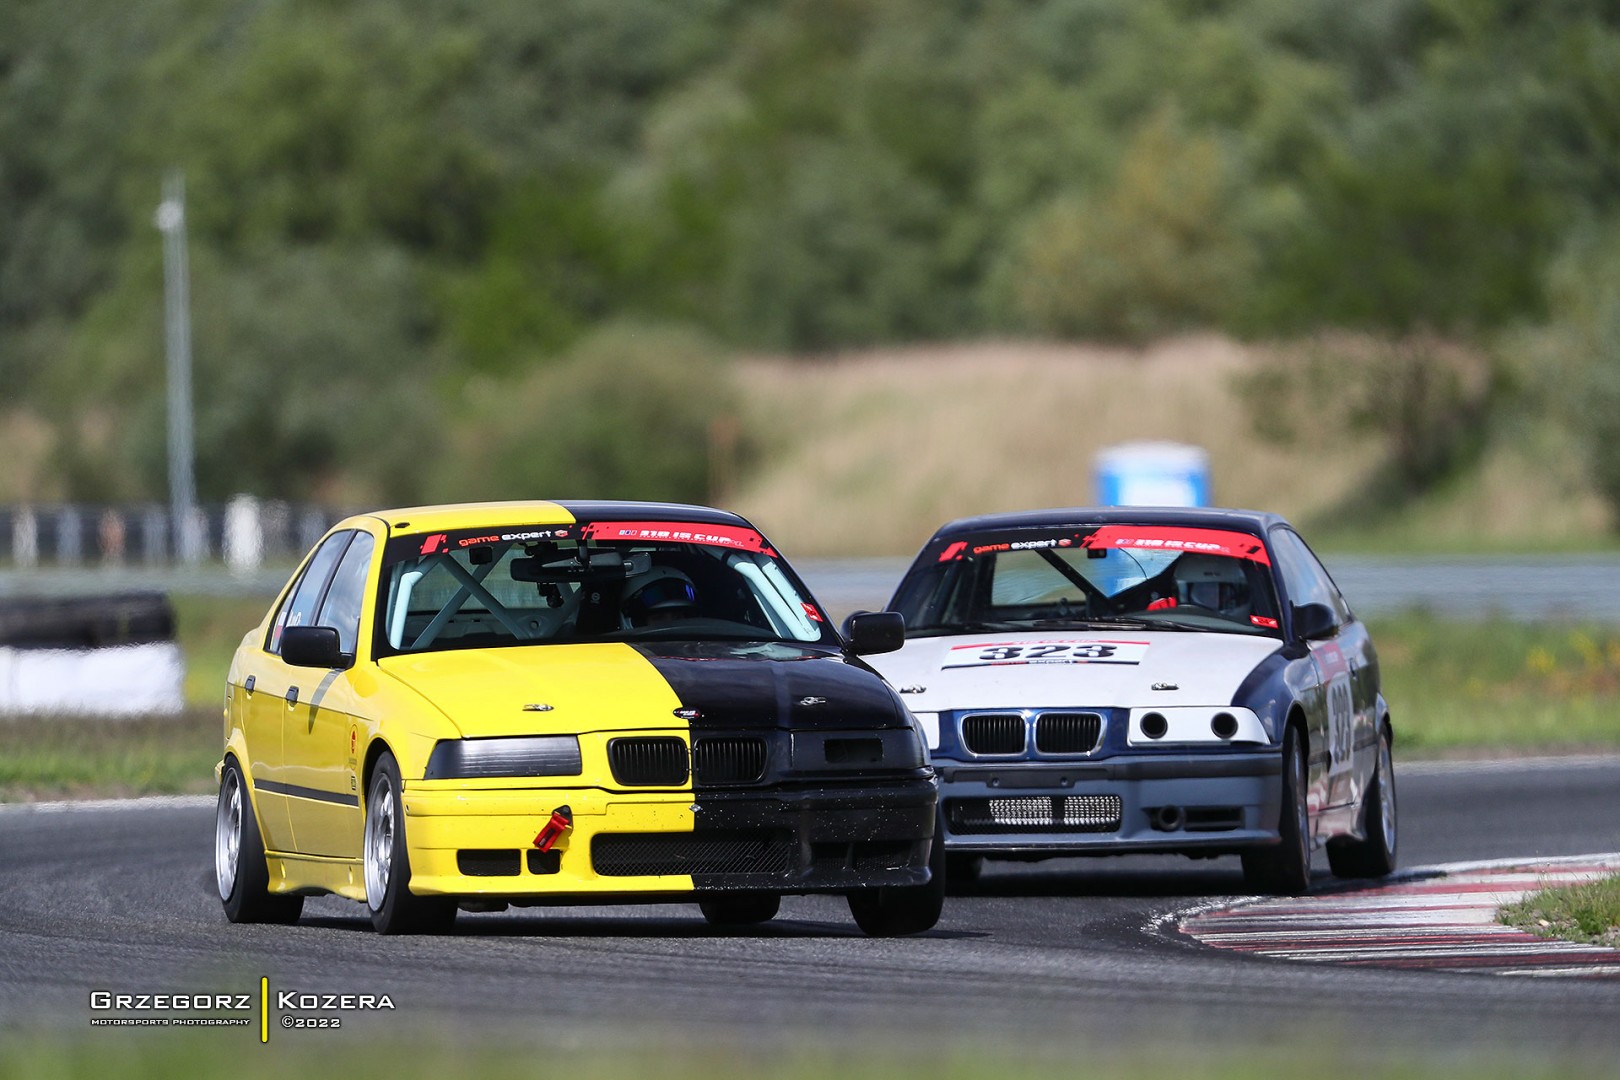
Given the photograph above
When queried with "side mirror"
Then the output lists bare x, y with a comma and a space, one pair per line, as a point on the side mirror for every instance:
1313, 622
871, 632
313, 647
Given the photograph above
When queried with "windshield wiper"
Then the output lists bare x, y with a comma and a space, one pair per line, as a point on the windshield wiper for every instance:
935, 629
1107, 621
1214, 626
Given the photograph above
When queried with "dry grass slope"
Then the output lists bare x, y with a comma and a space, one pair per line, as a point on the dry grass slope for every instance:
870, 452
867, 453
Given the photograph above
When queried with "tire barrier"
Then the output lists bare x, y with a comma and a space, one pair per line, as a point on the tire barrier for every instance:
110, 655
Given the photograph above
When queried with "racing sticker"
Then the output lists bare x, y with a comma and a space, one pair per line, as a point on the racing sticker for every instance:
1235, 545
524, 535
445, 544
985, 545
1055, 651
678, 532
1340, 701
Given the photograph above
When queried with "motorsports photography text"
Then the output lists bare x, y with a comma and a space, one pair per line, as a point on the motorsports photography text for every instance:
259, 1010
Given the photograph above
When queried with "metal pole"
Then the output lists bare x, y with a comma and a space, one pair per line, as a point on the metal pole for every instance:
171, 221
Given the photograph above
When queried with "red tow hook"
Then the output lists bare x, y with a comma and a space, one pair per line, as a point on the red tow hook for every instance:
562, 819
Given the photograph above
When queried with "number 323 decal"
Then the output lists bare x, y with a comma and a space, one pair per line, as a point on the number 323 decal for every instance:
1048, 652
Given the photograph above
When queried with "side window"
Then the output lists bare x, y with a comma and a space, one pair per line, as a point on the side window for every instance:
1307, 581
344, 599
299, 607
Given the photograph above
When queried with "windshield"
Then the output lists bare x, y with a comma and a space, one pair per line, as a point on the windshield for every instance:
588, 582
1172, 578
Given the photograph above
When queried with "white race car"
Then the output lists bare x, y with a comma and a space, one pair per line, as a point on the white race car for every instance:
1103, 681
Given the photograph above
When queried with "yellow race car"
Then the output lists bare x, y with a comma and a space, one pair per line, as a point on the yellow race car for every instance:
466, 707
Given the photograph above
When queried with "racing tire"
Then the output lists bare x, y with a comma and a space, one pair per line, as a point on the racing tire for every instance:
898, 910
394, 908
1373, 856
1284, 868
240, 869
741, 909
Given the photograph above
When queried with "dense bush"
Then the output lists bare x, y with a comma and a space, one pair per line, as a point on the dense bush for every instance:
1159, 250
1578, 356
630, 412
1426, 403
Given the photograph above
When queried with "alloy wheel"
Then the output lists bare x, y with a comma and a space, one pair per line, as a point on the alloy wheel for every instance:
228, 835
379, 844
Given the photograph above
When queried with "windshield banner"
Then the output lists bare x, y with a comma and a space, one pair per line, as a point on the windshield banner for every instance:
676, 532
1235, 545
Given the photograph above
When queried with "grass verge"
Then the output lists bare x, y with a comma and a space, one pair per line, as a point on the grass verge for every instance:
1588, 913
159, 1055
54, 757
1497, 686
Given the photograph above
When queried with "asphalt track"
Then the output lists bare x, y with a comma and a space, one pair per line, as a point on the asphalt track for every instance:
120, 898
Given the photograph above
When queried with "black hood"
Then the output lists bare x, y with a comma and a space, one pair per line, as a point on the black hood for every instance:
748, 685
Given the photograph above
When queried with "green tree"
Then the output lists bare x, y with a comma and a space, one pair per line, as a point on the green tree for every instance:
1160, 250
1580, 375
627, 413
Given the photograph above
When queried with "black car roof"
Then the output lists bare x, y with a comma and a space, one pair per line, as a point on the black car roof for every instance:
1250, 521
603, 510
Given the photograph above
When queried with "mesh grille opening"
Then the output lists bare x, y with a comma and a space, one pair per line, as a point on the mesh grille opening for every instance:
874, 855
1087, 812
1213, 818
1036, 813
639, 854
478, 862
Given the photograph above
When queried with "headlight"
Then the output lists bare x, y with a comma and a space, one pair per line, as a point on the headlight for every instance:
1220, 725
928, 728
525, 755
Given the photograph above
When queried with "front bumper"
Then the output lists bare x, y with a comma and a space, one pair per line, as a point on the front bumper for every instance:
826, 838
1221, 802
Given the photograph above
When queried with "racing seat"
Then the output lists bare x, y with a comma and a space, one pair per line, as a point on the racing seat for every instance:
1214, 582
598, 611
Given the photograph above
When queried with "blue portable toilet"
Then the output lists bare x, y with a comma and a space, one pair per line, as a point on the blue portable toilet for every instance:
1152, 474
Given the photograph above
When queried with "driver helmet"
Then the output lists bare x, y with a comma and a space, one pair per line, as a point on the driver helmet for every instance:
1215, 582
658, 594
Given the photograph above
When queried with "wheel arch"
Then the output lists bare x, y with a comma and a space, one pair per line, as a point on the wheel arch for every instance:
1296, 720
235, 755
374, 752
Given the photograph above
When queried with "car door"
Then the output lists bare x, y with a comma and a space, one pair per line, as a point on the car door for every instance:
1361, 661
1330, 704
320, 734
273, 689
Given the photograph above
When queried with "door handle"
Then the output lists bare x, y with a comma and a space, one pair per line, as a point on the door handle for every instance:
292, 695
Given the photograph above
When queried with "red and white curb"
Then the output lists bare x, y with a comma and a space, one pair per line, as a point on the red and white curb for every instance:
1437, 918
